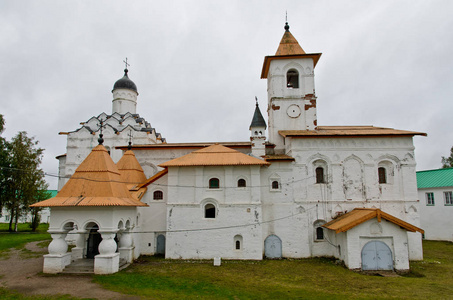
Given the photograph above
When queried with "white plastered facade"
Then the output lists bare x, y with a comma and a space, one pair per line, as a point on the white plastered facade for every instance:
436, 218
283, 201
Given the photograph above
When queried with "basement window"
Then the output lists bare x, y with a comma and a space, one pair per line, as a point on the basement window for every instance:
158, 195
238, 242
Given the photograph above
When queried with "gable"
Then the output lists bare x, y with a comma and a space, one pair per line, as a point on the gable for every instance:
361, 215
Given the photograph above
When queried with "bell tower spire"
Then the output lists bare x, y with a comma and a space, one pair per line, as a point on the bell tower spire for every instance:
291, 89
258, 132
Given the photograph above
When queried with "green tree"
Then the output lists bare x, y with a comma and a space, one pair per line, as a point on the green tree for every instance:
447, 162
3, 164
24, 178
42, 194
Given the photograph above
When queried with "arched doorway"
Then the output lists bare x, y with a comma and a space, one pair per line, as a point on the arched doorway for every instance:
94, 239
273, 247
160, 245
376, 255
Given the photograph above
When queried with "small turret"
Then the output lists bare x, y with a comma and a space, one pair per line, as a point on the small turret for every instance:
258, 133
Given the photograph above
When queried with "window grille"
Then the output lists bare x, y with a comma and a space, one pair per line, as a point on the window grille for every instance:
429, 198
448, 198
158, 195
242, 183
382, 174
214, 183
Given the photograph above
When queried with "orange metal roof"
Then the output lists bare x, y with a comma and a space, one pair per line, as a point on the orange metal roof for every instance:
360, 215
215, 155
130, 169
188, 145
96, 182
154, 178
289, 45
288, 48
348, 131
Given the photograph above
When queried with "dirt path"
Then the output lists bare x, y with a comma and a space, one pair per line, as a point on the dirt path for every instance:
22, 274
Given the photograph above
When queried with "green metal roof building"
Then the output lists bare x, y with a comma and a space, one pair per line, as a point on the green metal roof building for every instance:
435, 178
435, 192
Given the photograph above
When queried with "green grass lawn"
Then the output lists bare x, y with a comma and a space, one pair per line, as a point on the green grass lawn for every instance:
19, 239
314, 278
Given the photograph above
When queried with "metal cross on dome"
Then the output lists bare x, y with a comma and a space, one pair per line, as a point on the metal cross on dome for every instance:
125, 61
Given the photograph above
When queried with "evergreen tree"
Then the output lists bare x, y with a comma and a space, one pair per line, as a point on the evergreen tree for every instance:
447, 162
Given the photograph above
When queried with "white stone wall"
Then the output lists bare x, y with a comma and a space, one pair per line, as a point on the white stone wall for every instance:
81, 142
290, 108
351, 181
124, 101
238, 213
436, 220
153, 219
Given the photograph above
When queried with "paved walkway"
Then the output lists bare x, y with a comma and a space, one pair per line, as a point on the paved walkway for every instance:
25, 276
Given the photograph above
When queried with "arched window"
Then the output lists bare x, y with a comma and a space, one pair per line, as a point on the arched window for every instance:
214, 183
158, 195
209, 211
275, 185
319, 233
320, 175
238, 242
382, 174
319, 230
242, 183
292, 79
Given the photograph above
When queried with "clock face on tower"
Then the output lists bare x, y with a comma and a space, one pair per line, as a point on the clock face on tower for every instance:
293, 111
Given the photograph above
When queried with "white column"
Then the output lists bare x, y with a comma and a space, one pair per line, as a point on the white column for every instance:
58, 258
79, 249
107, 261
126, 245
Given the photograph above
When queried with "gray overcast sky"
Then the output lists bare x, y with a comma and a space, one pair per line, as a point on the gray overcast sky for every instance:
197, 65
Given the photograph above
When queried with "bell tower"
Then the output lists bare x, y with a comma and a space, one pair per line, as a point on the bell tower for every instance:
290, 88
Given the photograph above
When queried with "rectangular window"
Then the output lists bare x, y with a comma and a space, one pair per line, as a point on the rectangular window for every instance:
429, 198
448, 198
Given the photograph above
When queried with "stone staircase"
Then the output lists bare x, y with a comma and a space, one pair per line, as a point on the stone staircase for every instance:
86, 266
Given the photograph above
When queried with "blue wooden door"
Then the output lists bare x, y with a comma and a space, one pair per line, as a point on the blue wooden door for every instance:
160, 245
376, 255
273, 247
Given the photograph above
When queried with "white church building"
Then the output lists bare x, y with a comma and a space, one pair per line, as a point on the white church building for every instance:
301, 190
